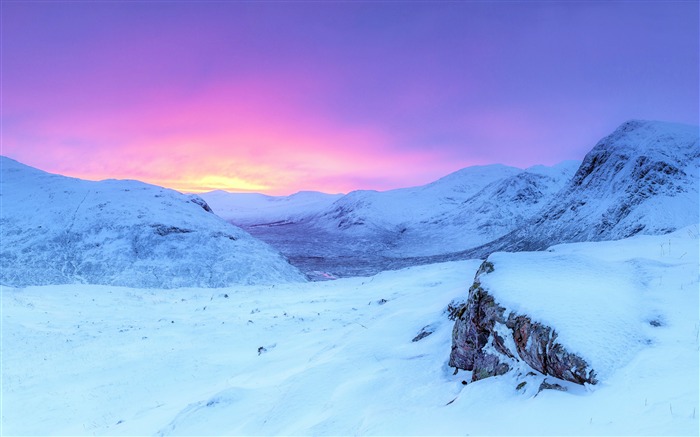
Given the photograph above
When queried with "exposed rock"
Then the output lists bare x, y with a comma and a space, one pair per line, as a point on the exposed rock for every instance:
201, 202
481, 335
164, 230
547, 386
424, 332
453, 308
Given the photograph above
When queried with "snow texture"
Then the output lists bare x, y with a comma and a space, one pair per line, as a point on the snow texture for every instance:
60, 230
337, 357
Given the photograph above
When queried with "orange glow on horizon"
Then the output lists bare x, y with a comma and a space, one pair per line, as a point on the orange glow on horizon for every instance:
258, 154
207, 183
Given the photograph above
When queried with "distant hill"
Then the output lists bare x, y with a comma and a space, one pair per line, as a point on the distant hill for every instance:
60, 230
367, 231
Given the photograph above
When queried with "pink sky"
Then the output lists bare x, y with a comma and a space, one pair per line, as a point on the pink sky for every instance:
281, 97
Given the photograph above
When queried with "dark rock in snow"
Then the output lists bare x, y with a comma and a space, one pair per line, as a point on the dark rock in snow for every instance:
547, 386
424, 332
201, 202
479, 345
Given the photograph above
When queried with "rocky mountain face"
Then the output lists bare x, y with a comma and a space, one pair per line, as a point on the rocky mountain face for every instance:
642, 178
59, 230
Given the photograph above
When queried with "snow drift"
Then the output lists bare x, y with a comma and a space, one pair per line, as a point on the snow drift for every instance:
60, 230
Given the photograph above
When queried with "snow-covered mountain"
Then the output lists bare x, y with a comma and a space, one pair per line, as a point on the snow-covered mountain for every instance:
367, 231
642, 178
256, 208
366, 212
60, 230
492, 212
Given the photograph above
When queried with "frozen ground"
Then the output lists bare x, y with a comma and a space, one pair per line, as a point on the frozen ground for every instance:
337, 357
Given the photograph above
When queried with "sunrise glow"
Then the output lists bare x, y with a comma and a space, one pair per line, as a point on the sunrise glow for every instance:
281, 97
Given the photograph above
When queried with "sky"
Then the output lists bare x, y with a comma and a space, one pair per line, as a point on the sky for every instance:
278, 97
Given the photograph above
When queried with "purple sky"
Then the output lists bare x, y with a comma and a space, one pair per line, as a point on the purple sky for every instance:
333, 96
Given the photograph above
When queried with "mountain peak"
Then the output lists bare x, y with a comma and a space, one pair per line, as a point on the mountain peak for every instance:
642, 178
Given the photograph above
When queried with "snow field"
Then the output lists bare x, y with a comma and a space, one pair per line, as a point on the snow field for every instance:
107, 360
338, 360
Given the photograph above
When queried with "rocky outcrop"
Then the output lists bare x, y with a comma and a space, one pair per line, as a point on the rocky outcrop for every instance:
201, 202
489, 341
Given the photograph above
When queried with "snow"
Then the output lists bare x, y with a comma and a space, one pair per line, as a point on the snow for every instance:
268, 353
58, 230
255, 208
614, 296
562, 171
338, 357
390, 229
643, 178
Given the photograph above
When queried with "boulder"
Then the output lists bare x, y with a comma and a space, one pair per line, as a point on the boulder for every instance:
489, 341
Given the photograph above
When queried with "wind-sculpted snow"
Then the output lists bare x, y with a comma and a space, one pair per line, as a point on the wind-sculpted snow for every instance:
59, 230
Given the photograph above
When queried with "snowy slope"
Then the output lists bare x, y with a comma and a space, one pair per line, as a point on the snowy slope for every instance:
495, 210
59, 230
365, 232
365, 212
255, 208
338, 357
643, 178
